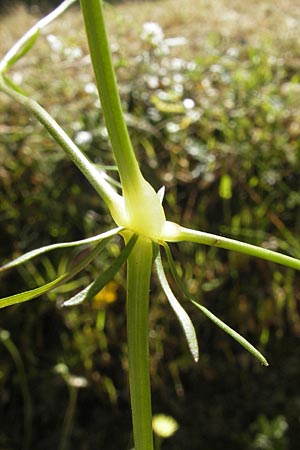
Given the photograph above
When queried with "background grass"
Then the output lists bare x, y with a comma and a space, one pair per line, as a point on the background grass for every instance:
230, 163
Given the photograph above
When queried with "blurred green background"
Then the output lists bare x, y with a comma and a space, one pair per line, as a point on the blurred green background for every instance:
212, 101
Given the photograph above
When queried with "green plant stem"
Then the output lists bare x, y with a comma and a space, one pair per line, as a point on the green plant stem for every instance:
138, 282
158, 442
69, 418
110, 100
15, 354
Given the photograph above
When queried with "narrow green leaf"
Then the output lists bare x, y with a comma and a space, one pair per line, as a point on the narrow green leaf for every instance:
90, 291
40, 251
23, 50
29, 295
240, 339
78, 298
114, 201
25, 43
33, 293
13, 85
181, 314
176, 233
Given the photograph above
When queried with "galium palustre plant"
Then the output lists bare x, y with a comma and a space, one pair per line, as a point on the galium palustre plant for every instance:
139, 218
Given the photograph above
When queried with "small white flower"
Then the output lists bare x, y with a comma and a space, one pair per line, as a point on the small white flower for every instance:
188, 103
54, 43
153, 33
83, 137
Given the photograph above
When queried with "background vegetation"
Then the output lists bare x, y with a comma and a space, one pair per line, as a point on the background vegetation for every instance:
214, 117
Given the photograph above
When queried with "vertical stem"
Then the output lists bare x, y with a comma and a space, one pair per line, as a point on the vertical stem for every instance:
136, 190
138, 281
107, 87
158, 441
14, 352
68, 419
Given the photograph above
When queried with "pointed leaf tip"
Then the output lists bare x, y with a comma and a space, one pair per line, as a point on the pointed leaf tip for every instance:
234, 334
240, 339
183, 317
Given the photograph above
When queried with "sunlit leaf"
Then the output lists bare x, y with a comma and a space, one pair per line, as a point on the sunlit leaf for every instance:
181, 314
29, 295
39, 251
23, 50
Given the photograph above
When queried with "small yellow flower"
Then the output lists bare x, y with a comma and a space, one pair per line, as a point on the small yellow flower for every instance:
106, 296
164, 426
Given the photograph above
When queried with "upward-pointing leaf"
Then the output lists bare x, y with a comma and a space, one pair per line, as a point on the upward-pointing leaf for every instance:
28, 44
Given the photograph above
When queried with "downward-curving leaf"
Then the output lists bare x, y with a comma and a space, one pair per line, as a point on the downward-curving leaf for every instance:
93, 289
40, 251
240, 339
181, 314
33, 293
